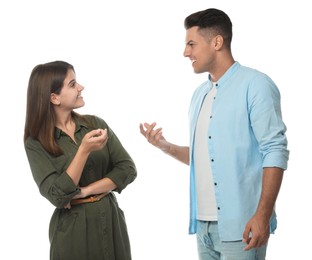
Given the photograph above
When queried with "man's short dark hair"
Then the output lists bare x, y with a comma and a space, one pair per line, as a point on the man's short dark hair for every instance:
216, 21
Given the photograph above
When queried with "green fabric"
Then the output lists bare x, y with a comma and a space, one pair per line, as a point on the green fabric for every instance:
90, 231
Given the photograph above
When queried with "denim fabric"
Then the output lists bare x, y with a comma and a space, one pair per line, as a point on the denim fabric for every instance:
210, 247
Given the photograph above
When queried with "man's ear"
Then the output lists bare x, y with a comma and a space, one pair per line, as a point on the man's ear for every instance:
218, 41
54, 99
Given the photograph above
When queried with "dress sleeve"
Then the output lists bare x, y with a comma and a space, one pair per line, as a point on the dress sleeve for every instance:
53, 182
123, 170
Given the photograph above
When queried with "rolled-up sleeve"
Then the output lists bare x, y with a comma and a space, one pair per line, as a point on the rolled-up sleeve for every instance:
267, 124
53, 183
122, 170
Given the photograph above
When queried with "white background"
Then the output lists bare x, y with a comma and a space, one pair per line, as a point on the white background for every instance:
128, 55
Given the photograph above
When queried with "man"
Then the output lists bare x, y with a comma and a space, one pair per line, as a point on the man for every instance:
238, 148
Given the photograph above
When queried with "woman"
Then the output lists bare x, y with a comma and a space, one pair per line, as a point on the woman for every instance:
77, 162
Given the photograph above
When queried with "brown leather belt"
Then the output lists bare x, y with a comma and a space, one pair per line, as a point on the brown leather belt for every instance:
93, 198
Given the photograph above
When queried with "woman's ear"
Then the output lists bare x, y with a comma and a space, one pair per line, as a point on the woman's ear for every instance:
54, 99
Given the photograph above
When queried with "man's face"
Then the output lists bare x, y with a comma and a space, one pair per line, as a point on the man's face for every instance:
200, 50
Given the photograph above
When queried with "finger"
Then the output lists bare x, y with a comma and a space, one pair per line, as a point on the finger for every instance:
246, 237
252, 243
101, 137
96, 132
104, 133
156, 133
142, 130
149, 127
246, 234
92, 134
67, 206
146, 129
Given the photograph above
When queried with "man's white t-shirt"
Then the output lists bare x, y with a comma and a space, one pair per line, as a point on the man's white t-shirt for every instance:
206, 202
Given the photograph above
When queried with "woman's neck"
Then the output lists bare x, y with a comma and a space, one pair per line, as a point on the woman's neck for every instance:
66, 124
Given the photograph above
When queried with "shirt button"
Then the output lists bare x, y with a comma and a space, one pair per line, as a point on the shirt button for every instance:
218, 208
210, 116
212, 160
215, 184
209, 137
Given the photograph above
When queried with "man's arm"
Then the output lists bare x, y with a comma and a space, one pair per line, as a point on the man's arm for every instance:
259, 224
155, 137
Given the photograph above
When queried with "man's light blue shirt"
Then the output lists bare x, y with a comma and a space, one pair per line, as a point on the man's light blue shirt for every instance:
246, 133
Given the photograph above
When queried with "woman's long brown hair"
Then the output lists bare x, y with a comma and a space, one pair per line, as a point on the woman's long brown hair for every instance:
40, 117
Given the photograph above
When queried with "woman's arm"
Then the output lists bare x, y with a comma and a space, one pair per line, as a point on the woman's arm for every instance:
92, 141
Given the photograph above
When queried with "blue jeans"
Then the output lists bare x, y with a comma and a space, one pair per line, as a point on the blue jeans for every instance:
210, 247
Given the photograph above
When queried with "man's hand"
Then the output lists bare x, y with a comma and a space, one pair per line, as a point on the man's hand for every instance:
154, 136
257, 232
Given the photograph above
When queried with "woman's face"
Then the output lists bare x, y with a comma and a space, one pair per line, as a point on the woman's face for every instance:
70, 95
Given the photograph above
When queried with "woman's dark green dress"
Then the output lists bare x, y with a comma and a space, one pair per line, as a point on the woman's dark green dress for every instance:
89, 231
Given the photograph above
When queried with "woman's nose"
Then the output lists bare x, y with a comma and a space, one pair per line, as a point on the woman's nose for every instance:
80, 88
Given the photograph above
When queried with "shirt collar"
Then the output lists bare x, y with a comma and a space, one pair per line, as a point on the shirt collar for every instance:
78, 122
227, 74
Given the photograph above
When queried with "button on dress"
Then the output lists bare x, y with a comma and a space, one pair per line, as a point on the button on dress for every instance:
89, 231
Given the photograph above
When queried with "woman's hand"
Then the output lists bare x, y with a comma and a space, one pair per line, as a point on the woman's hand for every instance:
94, 140
84, 192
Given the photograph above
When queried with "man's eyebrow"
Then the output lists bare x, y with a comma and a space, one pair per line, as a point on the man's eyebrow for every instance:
190, 41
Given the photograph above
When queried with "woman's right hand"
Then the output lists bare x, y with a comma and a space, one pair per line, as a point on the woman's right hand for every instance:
94, 140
